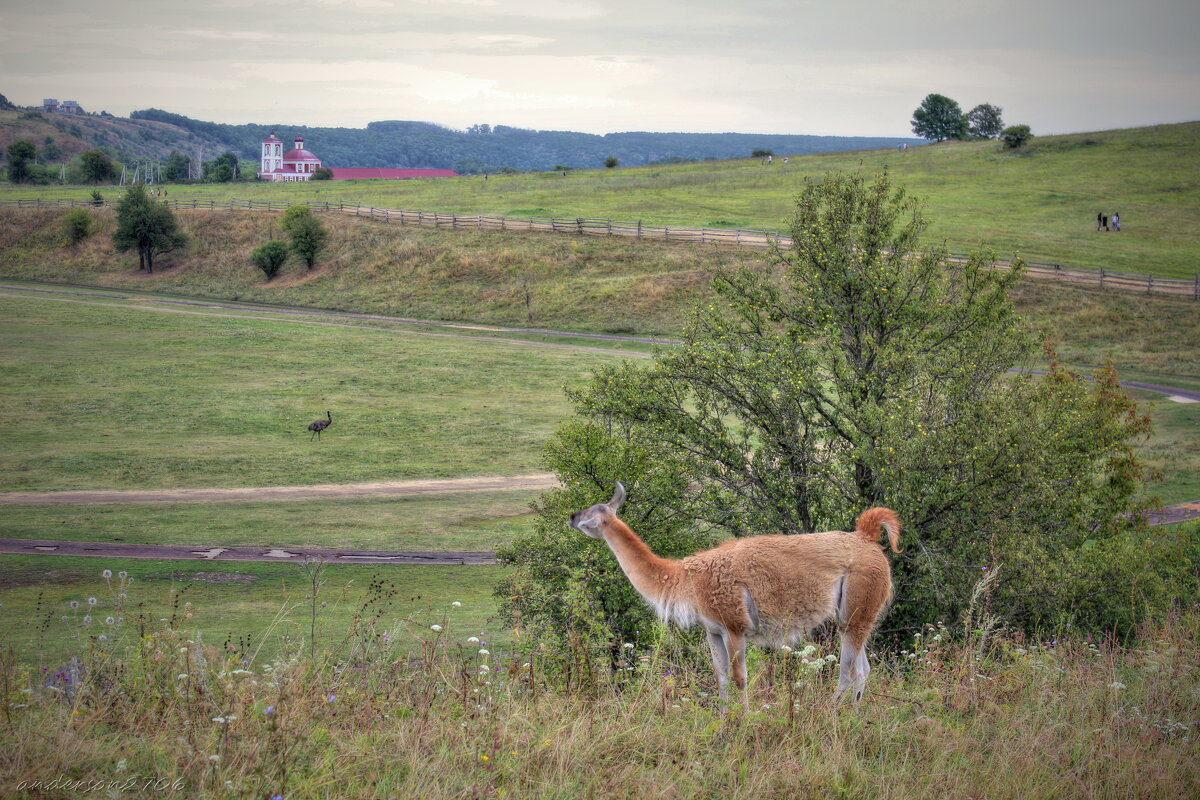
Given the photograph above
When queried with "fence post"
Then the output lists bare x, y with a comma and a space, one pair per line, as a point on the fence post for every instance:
610, 226
1196, 288
579, 226
1149, 283
639, 235
1058, 271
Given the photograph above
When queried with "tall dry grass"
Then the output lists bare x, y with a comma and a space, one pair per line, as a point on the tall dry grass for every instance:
153, 711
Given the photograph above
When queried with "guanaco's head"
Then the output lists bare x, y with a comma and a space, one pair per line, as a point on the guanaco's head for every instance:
590, 521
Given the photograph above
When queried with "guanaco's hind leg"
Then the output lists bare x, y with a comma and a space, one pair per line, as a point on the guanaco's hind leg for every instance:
862, 597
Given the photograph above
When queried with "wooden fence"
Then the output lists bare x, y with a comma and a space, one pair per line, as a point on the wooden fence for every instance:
583, 226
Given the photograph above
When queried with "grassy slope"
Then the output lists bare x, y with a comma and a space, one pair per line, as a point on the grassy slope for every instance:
1040, 202
99, 397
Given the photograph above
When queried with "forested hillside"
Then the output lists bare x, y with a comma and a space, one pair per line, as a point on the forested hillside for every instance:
486, 148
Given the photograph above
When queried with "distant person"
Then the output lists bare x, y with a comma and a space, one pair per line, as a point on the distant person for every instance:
1106, 222
770, 159
1116, 221
1100, 221
785, 159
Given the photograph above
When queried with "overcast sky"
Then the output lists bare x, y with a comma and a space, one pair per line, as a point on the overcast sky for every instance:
834, 67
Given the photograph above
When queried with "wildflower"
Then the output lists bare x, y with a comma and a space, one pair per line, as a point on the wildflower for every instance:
628, 645
122, 574
435, 628
87, 619
74, 604
269, 710
1116, 685
182, 677
456, 604
109, 620
219, 720
473, 640
214, 757
106, 574
484, 652
332, 697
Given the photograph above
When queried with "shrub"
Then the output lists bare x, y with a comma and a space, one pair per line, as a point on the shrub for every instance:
611, 161
761, 153
322, 174
270, 258
307, 232
77, 224
1015, 136
864, 370
145, 226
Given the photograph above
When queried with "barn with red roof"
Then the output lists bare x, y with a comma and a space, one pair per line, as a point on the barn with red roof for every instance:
299, 164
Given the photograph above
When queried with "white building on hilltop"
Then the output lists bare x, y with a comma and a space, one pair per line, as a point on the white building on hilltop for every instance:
296, 164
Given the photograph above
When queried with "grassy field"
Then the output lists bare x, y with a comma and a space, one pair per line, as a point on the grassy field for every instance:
466, 521
268, 604
111, 397
1040, 202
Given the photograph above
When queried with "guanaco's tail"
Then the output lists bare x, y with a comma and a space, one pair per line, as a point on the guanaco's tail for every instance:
872, 522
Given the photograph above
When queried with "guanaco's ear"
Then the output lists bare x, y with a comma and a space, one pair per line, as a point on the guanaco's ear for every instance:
587, 521
617, 498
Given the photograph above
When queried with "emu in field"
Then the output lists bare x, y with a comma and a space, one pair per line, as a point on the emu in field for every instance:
319, 425
771, 590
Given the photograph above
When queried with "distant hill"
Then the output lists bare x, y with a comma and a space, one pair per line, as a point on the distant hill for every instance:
484, 148
127, 139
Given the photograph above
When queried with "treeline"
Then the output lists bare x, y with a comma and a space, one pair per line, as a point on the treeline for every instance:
488, 148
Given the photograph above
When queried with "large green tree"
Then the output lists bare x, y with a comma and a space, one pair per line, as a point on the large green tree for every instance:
984, 121
21, 158
176, 167
861, 368
145, 226
222, 169
939, 118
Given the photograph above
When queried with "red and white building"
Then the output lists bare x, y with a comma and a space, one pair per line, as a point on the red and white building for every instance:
296, 164
299, 164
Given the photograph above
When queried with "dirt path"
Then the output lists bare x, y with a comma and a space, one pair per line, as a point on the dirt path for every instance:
170, 552
537, 481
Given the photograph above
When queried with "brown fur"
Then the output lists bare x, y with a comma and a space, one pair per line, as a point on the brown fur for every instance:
771, 590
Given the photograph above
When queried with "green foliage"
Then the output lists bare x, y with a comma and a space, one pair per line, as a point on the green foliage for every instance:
1015, 136
97, 167
5, 105
21, 155
77, 225
760, 153
984, 121
176, 167
611, 161
322, 174
145, 226
222, 169
97, 198
939, 118
308, 234
51, 152
270, 257
867, 370
569, 589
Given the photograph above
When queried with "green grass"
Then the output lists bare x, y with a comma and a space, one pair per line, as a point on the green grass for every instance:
466, 521
1040, 202
267, 603
110, 397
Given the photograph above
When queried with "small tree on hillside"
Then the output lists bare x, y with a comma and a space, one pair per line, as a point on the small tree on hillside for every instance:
761, 153
863, 369
21, 157
984, 121
270, 258
306, 231
939, 118
611, 161
322, 174
77, 225
145, 226
1015, 136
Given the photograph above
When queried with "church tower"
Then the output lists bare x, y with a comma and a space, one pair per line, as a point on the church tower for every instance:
272, 154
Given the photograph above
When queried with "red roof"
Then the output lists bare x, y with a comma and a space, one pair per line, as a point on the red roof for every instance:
299, 155
349, 173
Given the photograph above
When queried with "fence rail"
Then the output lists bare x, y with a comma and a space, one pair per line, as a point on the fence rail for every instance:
591, 226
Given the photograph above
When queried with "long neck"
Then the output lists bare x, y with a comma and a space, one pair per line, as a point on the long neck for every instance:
655, 578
